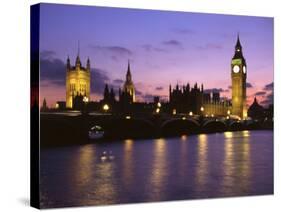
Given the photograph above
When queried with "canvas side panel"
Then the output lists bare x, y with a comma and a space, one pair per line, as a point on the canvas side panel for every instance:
34, 113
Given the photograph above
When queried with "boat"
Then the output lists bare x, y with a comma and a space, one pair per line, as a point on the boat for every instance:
96, 132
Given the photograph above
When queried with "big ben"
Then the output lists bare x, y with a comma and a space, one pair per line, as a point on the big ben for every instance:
238, 77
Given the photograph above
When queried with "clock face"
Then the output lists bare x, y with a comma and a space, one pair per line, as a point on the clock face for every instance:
236, 69
244, 69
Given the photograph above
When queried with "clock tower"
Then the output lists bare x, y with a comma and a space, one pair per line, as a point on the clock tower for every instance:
238, 77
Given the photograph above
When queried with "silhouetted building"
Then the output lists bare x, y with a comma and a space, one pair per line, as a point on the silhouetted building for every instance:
186, 99
44, 106
216, 96
127, 95
78, 103
256, 111
108, 97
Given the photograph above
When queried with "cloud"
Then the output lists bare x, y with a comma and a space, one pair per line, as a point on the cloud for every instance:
115, 52
148, 97
208, 46
214, 90
118, 81
47, 54
268, 87
159, 88
183, 31
150, 48
173, 43
139, 93
268, 100
99, 78
260, 93
248, 85
53, 70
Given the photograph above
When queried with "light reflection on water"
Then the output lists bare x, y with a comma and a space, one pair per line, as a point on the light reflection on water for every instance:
199, 166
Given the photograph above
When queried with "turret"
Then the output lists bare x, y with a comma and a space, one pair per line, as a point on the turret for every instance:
106, 92
77, 62
88, 64
68, 66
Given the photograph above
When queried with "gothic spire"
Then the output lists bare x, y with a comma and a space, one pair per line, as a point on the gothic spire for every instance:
128, 75
88, 64
68, 62
78, 62
238, 44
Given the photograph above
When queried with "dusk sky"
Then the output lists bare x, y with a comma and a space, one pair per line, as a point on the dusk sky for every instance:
163, 48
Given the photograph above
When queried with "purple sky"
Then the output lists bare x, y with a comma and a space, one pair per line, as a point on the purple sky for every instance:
163, 47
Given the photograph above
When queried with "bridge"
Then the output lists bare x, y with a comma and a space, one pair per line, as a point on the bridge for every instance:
74, 127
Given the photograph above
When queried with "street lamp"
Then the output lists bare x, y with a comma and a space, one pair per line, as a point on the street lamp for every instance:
85, 99
228, 112
158, 104
174, 111
202, 109
105, 107
158, 110
190, 113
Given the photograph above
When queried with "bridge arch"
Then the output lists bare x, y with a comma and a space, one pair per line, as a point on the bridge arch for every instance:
179, 126
124, 128
236, 125
214, 126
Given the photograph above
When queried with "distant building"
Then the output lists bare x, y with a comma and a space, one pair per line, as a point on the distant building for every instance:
60, 105
78, 80
256, 111
44, 106
185, 99
108, 96
216, 107
127, 94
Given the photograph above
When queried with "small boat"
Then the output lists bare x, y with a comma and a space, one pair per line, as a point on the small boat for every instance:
106, 157
96, 132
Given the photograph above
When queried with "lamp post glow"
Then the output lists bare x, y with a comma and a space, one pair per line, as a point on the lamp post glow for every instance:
174, 111
158, 110
85, 99
202, 109
105, 107
190, 113
158, 104
228, 112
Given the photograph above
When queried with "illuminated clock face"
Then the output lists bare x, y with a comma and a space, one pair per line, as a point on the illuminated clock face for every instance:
244, 69
236, 69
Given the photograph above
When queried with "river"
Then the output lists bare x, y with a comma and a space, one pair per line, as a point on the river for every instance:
187, 167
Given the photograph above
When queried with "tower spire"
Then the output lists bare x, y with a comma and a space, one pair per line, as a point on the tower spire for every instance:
129, 69
78, 52
238, 44
128, 75
78, 62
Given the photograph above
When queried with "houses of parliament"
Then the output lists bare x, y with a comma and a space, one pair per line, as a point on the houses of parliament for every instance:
182, 99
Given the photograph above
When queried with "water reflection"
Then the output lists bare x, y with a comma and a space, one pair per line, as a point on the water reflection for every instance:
85, 171
195, 166
202, 161
183, 160
128, 162
95, 178
228, 168
236, 164
159, 171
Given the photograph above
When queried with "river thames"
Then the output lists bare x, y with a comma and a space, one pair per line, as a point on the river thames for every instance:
187, 167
